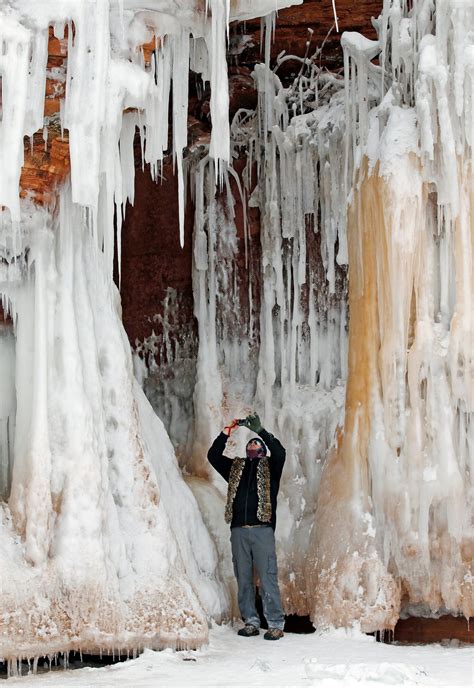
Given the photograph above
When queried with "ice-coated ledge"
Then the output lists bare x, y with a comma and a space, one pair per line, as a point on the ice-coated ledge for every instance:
186, 9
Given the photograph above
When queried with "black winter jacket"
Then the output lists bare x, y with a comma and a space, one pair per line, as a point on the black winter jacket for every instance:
246, 498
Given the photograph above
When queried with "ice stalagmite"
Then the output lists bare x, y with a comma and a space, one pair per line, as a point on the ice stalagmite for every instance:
101, 542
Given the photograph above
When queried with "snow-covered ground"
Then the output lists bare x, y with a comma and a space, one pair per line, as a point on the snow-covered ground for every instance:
329, 660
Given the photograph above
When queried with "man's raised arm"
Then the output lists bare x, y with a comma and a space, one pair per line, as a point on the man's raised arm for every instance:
215, 455
277, 450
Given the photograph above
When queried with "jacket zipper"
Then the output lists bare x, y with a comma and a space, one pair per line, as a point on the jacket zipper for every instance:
247, 494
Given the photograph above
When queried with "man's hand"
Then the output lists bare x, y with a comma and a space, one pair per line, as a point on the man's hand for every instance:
252, 422
229, 429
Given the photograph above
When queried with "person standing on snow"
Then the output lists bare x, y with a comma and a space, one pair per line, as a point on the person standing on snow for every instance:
253, 484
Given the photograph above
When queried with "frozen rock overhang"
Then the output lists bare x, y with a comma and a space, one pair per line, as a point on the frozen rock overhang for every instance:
106, 75
186, 10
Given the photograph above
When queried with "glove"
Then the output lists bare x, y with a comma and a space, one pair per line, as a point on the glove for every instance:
252, 422
229, 429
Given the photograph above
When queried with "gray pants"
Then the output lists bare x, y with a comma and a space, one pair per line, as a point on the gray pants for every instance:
257, 546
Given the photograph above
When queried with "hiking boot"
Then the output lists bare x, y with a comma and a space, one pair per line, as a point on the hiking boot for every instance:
274, 634
248, 630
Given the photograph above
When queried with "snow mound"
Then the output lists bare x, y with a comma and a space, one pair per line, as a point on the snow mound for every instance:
385, 673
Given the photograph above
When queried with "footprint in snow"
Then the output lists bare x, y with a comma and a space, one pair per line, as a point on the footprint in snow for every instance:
260, 665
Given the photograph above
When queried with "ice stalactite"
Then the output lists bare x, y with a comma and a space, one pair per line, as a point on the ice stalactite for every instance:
15, 40
102, 544
208, 386
396, 499
225, 342
105, 76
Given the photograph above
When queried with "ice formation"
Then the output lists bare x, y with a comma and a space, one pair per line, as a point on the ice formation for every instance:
102, 543
376, 504
402, 474
96, 538
370, 175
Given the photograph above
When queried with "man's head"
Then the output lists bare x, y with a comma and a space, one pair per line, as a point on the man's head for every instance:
255, 448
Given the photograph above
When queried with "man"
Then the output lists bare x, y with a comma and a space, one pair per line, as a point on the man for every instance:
253, 485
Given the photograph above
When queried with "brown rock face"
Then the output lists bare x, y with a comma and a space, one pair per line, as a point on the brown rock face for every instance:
46, 162
152, 259
419, 630
317, 15
46, 166
4, 318
55, 81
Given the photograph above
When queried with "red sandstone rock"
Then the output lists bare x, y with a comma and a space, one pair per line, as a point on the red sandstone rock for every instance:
152, 257
420, 630
44, 168
292, 30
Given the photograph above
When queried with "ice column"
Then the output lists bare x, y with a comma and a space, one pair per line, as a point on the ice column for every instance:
402, 473
285, 354
7, 407
100, 528
14, 43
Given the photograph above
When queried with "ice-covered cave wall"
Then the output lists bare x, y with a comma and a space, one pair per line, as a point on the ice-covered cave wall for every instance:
404, 466
374, 173
102, 544
377, 527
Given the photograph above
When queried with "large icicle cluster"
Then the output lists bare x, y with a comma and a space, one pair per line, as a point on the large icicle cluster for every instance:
105, 76
101, 542
374, 521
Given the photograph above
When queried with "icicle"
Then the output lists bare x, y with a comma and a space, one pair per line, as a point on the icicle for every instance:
36, 82
219, 148
14, 49
85, 103
180, 48
335, 15
156, 137
7, 404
